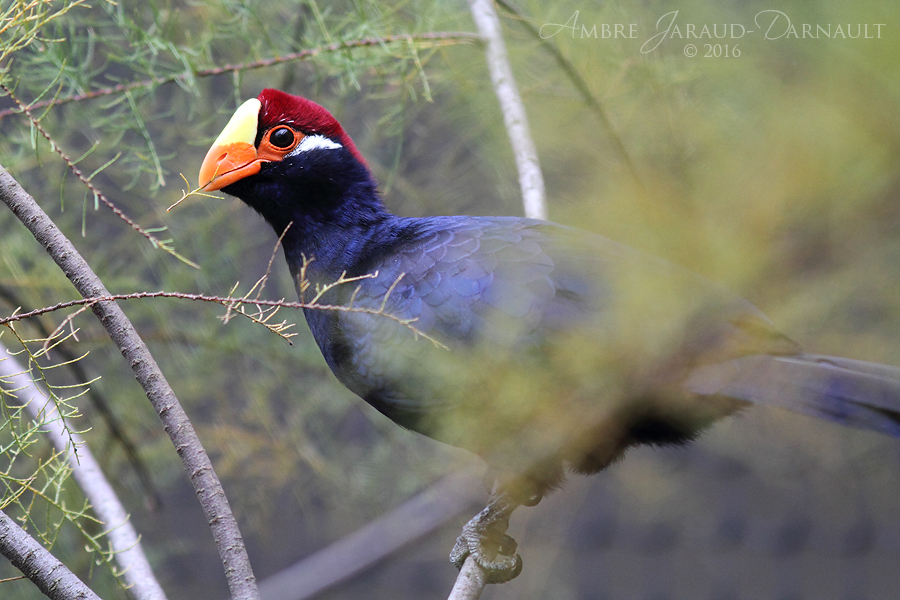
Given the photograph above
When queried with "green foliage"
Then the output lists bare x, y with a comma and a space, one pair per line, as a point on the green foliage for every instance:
35, 477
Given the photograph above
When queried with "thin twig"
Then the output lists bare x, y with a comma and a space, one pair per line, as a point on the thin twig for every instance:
439, 37
59, 329
387, 294
232, 303
265, 278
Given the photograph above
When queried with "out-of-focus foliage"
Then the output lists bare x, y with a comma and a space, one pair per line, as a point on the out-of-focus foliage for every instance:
774, 173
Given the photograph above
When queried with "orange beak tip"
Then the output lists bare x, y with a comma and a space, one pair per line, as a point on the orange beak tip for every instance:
225, 164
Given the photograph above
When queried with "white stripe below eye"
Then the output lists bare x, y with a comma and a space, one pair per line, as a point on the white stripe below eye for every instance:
315, 142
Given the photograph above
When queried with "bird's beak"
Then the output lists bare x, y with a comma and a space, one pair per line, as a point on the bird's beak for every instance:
233, 155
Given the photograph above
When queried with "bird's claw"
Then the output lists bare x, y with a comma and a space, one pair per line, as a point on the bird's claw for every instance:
493, 551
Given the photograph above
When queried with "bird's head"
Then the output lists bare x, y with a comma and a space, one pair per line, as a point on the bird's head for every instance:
285, 155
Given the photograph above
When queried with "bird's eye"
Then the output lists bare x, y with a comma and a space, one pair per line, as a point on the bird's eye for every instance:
283, 137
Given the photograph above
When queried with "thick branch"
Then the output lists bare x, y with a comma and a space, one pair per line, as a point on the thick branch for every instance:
231, 548
52, 577
514, 117
123, 538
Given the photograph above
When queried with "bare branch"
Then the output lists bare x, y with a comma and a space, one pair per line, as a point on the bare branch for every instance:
262, 280
472, 579
235, 304
530, 178
209, 490
390, 290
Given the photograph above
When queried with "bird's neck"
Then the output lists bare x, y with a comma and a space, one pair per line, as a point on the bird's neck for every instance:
326, 236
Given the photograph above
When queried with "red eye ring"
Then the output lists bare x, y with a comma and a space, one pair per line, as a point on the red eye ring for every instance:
282, 137
278, 142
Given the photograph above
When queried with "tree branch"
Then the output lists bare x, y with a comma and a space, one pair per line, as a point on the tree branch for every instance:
470, 583
209, 490
123, 539
52, 577
35, 123
530, 178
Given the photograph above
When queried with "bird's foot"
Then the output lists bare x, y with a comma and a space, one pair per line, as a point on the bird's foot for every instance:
484, 539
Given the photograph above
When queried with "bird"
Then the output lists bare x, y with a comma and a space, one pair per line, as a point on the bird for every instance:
542, 348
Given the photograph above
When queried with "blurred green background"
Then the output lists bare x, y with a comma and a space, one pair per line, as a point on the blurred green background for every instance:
776, 173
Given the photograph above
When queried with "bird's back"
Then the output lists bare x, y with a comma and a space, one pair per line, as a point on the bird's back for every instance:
535, 332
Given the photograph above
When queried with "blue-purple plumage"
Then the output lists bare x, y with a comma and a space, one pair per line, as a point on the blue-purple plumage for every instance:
525, 341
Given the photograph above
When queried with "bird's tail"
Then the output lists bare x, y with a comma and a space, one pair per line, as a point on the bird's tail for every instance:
849, 392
